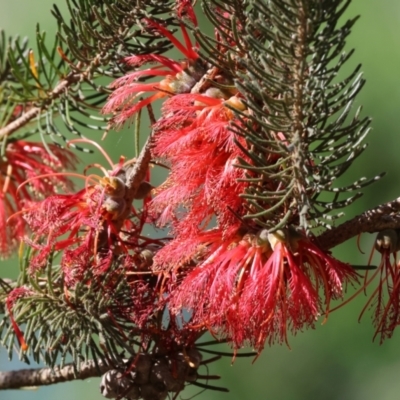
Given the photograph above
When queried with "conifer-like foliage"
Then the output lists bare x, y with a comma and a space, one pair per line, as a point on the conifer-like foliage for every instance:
285, 64
255, 127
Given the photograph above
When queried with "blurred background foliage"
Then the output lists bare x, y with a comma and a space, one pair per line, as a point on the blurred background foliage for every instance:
337, 360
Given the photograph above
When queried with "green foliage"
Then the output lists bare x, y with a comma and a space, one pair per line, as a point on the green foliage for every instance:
61, 324
104, 32
69, 76
288, 56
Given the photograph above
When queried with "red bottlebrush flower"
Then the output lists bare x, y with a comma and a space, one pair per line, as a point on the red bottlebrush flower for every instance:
87, 219
385, 299
254, 288
195, 139
205, 183
180, 77
84, 225
23, 161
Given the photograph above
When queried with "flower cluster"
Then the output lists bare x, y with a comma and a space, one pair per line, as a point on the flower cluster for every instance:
205, 181
246, 283
254, 288
85, 226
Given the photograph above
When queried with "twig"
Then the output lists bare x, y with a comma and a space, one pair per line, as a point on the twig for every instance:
69, 80
35, 111
48, 376
137, 174
384, 216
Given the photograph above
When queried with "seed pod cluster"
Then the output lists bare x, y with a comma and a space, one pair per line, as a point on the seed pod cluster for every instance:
151, 376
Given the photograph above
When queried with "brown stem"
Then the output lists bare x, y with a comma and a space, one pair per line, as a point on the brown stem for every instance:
137, 174
134, 177
48, 376
72, 78
384, 216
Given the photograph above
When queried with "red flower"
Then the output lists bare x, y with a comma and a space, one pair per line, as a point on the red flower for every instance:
385, 299
254, 288
84, 225
24, 161
180, 77
195, 139
205, 183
